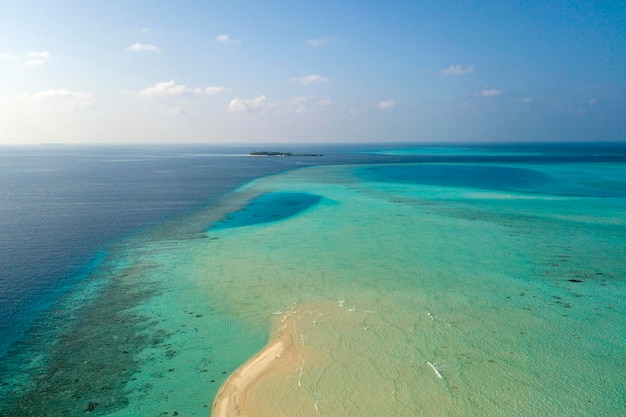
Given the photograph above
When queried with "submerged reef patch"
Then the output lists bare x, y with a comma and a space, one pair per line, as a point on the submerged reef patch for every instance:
268, 208
487, 177
86, 367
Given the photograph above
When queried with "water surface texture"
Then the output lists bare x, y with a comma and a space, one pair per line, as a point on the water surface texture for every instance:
445, 285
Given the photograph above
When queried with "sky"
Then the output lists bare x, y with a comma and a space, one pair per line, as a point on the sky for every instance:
312, 71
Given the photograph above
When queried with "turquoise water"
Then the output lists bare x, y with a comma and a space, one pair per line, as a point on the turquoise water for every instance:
474, 288
514, 296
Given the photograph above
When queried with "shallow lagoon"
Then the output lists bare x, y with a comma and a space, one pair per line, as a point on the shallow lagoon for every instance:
409, 298
430, 300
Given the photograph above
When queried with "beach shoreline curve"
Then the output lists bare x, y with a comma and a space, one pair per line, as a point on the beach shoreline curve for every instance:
233, 396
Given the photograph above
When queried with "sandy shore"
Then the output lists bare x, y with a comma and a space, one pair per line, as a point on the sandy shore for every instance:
233, 398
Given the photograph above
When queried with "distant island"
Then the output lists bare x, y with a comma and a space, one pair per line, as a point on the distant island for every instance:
275, 153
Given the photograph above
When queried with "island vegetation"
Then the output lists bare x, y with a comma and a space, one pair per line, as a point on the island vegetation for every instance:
276, 153
272, 153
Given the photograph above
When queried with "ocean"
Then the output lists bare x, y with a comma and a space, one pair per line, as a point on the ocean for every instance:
457, 280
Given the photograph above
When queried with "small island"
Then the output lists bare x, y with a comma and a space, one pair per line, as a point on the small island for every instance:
275, 153
267, 153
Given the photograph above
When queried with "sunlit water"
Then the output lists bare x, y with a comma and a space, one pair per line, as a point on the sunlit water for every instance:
434, 289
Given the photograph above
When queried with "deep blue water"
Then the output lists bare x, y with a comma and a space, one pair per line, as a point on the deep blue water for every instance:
269, 207
61, 207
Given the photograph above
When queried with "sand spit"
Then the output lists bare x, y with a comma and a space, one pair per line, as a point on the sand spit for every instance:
319, 359
234, 397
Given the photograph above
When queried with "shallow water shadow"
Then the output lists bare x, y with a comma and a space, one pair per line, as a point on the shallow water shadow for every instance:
486, 177
268, 208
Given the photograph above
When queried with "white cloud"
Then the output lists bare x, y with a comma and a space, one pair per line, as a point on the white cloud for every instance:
225, 38
298, 105
167, 88
7, 57
143, 47
386, 105
310, 79
40, 55
70, 98
246, 105
170, 88
457, 70
209, 91
305, 104
221, 38
493, 92
36, 59
324, 101
593, 102
31, 63
317, 41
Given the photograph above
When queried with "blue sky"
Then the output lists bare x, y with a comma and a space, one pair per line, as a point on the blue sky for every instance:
312, 71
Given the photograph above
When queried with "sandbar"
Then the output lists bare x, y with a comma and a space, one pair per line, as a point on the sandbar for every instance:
233, 397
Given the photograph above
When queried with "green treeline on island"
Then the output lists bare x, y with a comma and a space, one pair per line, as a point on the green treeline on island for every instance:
275, 153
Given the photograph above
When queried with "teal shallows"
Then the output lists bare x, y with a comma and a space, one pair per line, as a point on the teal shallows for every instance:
515, 298
454, 299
